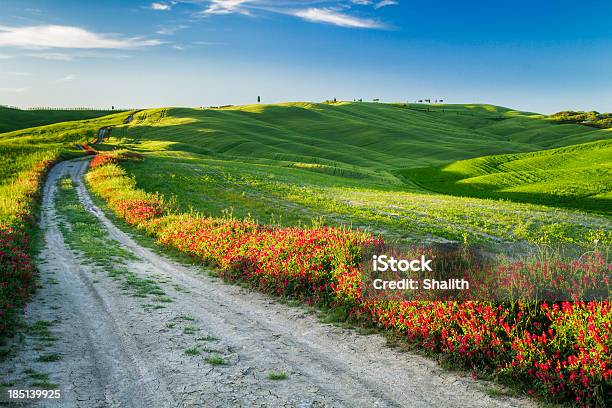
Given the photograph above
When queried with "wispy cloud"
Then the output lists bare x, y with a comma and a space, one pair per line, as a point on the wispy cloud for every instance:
227, 6
161, 6
57, 36
336, 12
4, 56
67, 78
330, 16
385, 3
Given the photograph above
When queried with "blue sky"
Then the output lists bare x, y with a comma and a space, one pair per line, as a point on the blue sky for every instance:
541, 56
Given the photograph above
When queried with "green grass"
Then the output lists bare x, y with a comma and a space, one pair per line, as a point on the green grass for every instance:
360, 164
83, 232
44, 384
41, 330
578, 176
475, 172
48, 358
277, 376
372, 166
36, 375
192, 351
215, 360
207, 338
14, 119
23, 150
353, 140
191, 330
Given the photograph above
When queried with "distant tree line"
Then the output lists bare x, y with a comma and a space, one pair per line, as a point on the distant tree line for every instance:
65, 109
429, 101
592, 118
378, 100
78, 109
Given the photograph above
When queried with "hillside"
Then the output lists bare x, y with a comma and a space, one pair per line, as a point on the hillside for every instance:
578, 176
22, 148
14, 119
373, 166
369, 136
24, 152
349, 163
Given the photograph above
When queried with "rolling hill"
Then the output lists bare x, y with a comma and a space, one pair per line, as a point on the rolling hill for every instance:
22, 148
24, 152
14, 119
355, 164
578, 176
380, 136
391, 168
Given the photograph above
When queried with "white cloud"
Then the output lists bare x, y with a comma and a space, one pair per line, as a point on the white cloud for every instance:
385, 3
160, 6
4, 56
227, 6
329, 16
56, 36
67, 78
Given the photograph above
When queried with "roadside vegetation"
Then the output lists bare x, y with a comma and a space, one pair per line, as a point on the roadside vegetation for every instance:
557, 351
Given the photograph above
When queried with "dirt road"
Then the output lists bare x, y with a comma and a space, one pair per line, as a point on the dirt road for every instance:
103, 133
209, 345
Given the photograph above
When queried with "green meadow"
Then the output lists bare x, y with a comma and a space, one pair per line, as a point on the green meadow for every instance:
22, 150
403, 171
576, 176
476, 173
14, 119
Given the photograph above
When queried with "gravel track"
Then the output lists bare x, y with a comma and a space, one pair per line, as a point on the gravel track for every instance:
119, 352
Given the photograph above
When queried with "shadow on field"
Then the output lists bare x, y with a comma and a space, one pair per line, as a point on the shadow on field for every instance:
436, 180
